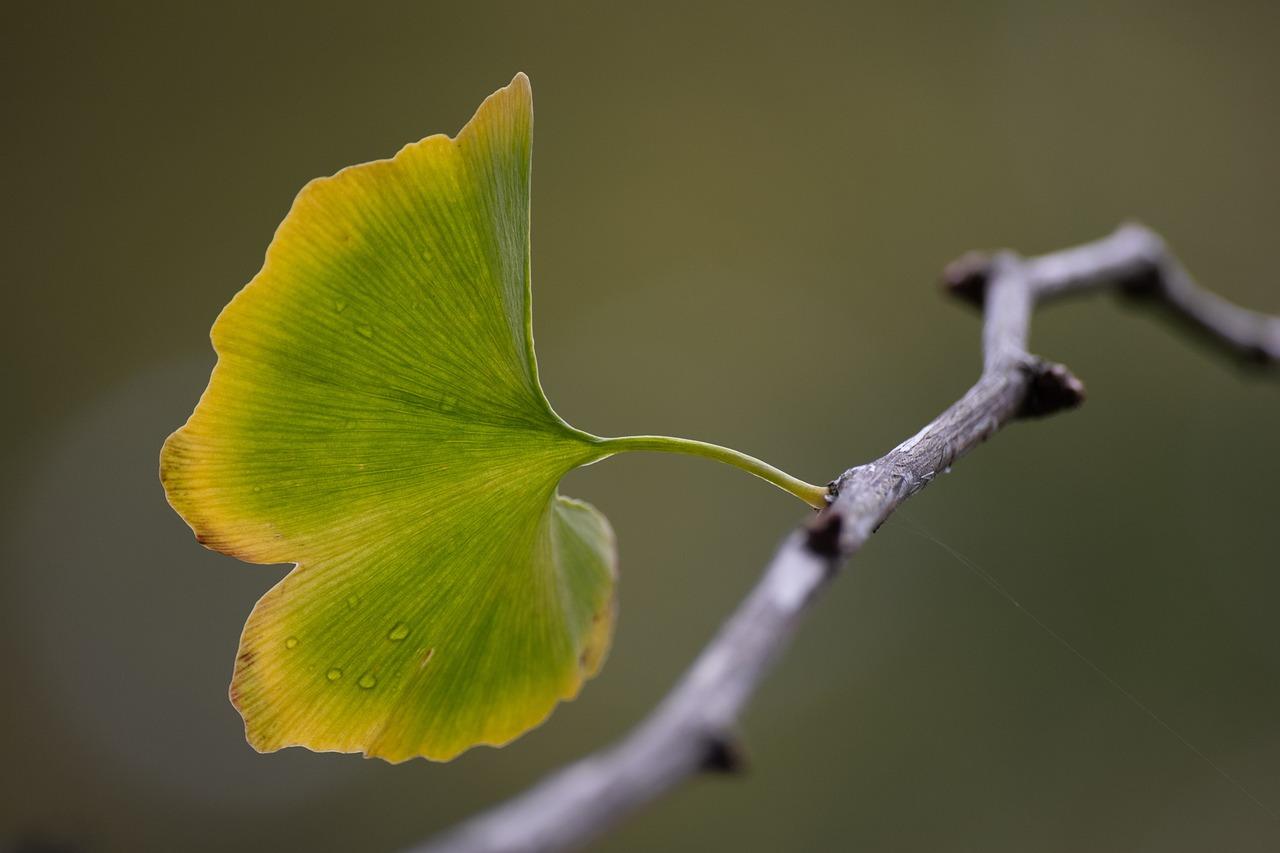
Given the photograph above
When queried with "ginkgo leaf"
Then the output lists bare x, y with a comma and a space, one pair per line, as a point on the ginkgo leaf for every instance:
375, 418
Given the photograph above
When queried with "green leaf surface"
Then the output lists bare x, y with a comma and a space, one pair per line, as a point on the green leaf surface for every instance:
375, 417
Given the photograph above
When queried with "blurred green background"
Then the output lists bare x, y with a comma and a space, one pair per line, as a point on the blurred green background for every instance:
740, 211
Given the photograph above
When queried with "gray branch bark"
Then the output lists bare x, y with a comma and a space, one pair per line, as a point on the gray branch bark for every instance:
693, 729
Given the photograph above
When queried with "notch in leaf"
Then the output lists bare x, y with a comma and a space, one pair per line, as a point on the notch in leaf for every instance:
375, 418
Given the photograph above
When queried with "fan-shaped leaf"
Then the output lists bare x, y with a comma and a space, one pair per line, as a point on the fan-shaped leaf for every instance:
375, 417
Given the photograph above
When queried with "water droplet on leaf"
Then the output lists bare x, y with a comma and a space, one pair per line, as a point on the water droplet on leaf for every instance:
291, 642
365, 330
333, 674
399, 632
368, 681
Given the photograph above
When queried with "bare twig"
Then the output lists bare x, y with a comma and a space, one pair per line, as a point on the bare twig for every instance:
692, 730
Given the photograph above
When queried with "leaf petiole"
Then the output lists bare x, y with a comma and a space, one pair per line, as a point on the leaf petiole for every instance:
814, 496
